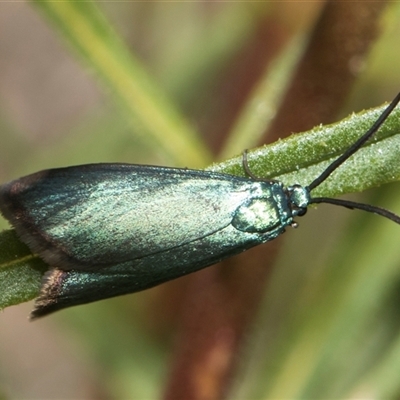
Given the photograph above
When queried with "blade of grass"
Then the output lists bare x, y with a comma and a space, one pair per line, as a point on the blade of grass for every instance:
302, 157
20, 271
215, 46
151, 114
263, 102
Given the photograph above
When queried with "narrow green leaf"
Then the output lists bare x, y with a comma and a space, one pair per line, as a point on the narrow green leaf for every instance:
20, 271
151, 114
302, 157
264, 101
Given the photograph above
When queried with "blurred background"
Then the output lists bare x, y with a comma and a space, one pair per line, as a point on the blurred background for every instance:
323, 321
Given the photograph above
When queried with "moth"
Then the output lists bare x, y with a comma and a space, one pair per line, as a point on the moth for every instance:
110, 229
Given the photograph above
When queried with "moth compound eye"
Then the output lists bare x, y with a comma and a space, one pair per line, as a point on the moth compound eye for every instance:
301, 212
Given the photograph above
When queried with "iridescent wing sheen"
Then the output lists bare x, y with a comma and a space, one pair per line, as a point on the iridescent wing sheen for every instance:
99, 215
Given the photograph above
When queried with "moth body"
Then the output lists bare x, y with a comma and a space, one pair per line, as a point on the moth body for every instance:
112, 229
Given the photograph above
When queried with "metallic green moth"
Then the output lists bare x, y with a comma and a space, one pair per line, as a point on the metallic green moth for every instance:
112, 229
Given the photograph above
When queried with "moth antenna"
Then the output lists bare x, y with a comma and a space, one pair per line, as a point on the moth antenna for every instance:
359, 206
356, 145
